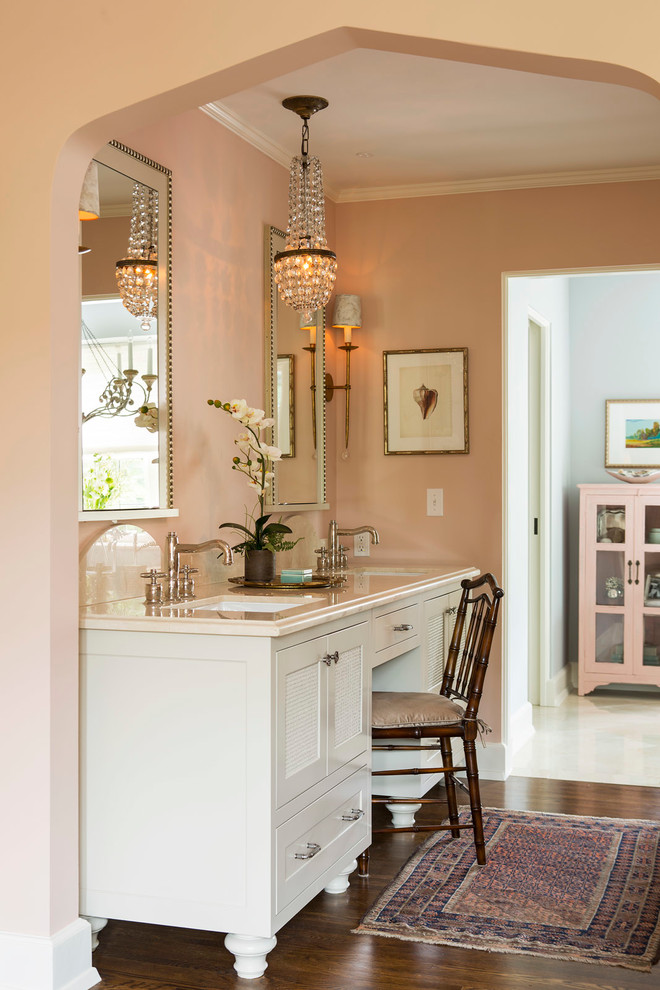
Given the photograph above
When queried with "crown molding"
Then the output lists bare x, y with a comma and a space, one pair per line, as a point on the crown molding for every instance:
222, 115
537, 180
502, 183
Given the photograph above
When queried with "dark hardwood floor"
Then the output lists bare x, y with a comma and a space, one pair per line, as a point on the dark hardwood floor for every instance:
316, 950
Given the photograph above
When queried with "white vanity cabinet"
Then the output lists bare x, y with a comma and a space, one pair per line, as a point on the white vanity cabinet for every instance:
225, 779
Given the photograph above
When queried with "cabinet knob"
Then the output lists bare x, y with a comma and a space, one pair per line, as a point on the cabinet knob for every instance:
354, 815
329, 657
312, 849
404, 627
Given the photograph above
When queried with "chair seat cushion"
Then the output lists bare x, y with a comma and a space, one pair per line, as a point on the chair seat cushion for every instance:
400, 709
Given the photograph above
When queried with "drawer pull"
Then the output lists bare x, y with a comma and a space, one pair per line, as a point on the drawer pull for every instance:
354, 815
329, 657
404, 627
312, 847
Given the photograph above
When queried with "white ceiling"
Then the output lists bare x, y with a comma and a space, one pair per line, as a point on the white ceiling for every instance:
427, 122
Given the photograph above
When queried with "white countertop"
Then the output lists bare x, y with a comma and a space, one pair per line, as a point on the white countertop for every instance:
365, 588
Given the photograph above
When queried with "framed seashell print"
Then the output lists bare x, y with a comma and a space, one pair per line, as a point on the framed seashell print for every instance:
426, 401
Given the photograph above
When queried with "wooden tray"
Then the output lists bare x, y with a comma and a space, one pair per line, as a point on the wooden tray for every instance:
325, 581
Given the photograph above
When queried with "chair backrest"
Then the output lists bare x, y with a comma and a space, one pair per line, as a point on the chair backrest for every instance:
471, 641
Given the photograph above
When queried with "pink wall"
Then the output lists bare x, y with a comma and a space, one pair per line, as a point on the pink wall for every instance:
430, 275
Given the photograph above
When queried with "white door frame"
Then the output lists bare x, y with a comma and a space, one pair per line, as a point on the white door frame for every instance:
508, 561
546, 695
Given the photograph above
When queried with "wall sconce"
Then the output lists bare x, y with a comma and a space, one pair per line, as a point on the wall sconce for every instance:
348, 317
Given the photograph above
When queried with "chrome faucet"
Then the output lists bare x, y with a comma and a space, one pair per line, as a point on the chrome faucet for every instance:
175, 590
335, 556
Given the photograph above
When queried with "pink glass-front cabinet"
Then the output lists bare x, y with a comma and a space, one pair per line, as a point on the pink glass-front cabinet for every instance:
619, 585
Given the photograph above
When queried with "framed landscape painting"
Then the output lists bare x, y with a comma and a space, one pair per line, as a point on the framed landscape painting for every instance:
632, 433
426, 401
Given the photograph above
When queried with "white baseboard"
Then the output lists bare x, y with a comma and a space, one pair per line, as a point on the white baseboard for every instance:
492, 761
558, 687
521, 728
58, 962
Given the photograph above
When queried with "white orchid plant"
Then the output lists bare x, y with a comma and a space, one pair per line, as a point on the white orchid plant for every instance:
255, 460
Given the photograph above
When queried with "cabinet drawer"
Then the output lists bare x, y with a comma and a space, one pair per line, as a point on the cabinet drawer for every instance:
396, 627
322, 834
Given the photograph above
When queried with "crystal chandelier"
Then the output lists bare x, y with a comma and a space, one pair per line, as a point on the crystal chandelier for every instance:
137, 274
305, 271
122, 395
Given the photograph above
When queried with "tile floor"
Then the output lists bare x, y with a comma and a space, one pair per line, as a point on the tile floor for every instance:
605, 737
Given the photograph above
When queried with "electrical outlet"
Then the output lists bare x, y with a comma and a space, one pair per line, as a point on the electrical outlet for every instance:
434, 502
361, 545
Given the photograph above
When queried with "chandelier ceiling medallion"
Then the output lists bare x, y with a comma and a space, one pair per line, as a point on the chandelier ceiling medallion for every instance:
137, 274
305, 271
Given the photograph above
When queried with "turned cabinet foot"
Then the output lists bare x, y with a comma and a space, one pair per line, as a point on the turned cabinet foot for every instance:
403, 815
250, 954
97, 925
341, 881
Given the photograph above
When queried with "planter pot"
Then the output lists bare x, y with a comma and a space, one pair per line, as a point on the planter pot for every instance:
260, 565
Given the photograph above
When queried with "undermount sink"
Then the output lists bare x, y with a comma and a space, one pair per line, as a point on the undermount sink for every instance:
250, 604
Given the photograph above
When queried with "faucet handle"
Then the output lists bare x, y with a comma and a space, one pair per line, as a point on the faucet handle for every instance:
186, 582
153, 592
323, 564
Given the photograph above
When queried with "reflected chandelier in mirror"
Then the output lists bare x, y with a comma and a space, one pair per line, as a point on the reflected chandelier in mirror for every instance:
126, 391
293, 366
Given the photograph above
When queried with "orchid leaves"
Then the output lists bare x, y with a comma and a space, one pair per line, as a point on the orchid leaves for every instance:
266, 536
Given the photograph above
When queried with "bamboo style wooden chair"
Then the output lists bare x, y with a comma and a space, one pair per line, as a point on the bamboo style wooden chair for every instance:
451, 714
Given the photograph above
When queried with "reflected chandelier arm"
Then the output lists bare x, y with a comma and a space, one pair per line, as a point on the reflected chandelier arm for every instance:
118, 397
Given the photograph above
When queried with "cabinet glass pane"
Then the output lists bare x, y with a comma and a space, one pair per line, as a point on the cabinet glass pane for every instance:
609, 638
651, 657
652, 524
652, 580
610, 582
611, 524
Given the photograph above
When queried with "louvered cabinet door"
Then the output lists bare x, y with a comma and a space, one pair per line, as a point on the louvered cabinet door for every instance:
439, 621
348, 729
302, 718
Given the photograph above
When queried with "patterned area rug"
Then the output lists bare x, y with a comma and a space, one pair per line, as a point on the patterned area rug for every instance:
584, 889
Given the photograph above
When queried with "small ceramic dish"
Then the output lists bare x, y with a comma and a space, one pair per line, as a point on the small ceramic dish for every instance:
634, 476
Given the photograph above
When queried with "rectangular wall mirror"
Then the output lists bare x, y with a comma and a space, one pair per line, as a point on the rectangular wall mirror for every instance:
295, 372
126, 391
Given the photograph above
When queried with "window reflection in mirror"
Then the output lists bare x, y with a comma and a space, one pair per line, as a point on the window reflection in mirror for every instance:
125, 383
119, 452
295, 362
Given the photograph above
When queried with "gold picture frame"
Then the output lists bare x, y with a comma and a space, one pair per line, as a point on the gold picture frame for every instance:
425, 401
286, 393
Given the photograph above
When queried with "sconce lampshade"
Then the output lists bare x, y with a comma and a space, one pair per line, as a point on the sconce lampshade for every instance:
89, 207
348, 315
348, 312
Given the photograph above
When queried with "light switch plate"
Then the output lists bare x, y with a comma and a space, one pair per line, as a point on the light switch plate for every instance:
435, 502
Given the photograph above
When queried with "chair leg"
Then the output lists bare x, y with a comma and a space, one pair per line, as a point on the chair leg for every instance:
363, 863
450, 787
475, 799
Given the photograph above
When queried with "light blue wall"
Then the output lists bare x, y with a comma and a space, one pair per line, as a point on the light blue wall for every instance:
614, 354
